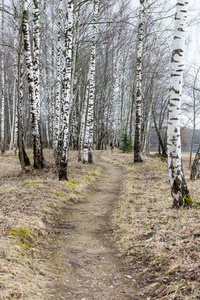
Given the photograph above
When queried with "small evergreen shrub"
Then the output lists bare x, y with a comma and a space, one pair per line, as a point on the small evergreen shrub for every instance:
127, 144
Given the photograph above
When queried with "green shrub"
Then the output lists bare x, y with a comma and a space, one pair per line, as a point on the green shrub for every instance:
127, 144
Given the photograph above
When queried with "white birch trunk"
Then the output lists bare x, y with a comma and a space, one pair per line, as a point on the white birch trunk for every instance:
147, 134
12, 140
117, 95
14, 129
58, 85
53, 81
36, 71
74, 59
74, 129
85, 127
179, 190
88, 144
38, 159
36, 74
82, 127
137, 140
195, 167
2, 84
195, 172
66, 94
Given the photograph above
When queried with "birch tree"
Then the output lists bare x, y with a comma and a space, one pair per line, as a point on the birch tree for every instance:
18, 96
38, 158
52, 78
58, 85
2, 83
137, 140
36, 77
66, 94
23, 157
195, 171
179, 190
82, 127
14, 126
88, 143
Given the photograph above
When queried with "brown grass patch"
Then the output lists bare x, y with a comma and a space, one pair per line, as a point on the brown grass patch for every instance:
28, 204
161, 244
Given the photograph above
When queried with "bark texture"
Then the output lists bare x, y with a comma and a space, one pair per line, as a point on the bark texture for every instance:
179, 190
2, 84
88, 144
137, 140
195, 172
66, 95
38, 158
58, 86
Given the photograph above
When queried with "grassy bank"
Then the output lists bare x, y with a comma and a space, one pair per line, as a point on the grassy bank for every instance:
161, 244
28, 205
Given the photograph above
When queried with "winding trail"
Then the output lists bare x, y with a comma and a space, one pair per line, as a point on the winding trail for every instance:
85, 261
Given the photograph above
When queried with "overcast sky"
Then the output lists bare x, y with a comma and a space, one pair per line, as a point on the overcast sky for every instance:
192, 55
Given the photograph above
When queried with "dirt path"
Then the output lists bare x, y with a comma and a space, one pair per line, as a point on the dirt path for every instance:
85, 261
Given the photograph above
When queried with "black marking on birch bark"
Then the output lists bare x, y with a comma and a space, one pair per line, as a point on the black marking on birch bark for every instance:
178, 52
175, 75
175, 91
175, 99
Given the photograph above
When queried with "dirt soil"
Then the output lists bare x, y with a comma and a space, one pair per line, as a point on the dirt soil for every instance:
85, 261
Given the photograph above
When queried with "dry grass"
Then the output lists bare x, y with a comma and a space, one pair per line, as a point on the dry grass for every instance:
161, 244
28, 203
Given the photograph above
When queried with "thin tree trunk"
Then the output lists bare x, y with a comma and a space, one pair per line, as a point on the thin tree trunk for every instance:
52, 83
82, 127
38, 158
36, 76
147, 134
66, 94
23, 157
88, 144
19, 133
137, 140
2, 83
194, 120
195, 172
160, 141
58, 87
75, 51
14, 130
13, 145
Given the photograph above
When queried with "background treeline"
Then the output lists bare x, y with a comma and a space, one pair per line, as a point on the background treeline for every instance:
116, 71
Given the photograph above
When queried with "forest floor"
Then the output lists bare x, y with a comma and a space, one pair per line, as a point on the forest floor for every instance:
108, 233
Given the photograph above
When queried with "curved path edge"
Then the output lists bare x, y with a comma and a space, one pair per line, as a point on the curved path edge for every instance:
85, 260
